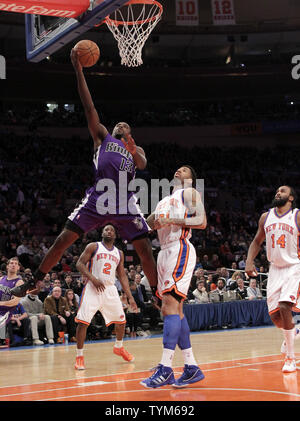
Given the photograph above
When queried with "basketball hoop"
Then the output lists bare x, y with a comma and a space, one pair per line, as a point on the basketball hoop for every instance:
131, 26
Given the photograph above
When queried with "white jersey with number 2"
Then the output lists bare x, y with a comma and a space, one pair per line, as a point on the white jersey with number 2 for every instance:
104, 263
282, 238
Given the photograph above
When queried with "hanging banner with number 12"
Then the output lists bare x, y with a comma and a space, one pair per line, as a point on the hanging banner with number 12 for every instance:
223, 12
187, 12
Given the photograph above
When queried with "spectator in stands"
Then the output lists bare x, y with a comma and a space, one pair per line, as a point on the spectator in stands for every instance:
215, 261
234, 266
69, 284
231, 283
57, 283
78, 286
242, 262
71, 300
131, 274
57, 307
73, 306
24, 253
211, 282
200, 293
54, 275
253, 291
141, 288
241, 291
139, 270
134, 319
217, 294
224, 273
46, 287
73, 264
35, 310
198, 273
19, 324
206, 263
64, 265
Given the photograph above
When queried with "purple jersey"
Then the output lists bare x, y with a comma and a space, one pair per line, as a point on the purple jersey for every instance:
112, 163
5, 294
109, 199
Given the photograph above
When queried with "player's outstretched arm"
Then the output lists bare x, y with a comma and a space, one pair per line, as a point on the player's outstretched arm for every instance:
124, 282
255, 246
81, 266
192, 200
97, 130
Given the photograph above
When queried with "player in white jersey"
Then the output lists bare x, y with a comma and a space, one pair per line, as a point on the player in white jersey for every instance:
280, 227
173, 219
99, 263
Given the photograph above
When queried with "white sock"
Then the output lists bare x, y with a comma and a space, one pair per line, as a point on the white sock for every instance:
167, 357
289, 336
188, 357
119, 344
294, 329
79, 352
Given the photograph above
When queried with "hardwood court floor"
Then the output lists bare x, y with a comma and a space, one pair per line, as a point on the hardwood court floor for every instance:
239, 365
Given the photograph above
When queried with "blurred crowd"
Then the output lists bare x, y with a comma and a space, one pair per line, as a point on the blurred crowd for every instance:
175, 114
41, 181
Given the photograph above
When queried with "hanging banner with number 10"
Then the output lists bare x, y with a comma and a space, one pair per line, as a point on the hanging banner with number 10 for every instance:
187, 12
223, 12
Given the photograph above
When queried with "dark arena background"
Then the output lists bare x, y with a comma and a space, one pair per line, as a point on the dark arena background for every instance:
223, 98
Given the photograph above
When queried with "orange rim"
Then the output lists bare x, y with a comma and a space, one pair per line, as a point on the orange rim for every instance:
109, 21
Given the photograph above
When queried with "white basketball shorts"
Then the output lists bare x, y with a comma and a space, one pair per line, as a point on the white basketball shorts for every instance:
283, 285
175, 267
107, 302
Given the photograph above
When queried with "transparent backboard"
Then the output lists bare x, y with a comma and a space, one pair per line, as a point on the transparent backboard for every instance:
47, 34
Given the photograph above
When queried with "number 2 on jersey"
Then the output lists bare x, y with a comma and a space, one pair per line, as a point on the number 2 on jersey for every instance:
107, 268
280, 241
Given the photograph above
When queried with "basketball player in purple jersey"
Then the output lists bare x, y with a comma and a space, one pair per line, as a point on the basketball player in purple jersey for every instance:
113, 154
8, 302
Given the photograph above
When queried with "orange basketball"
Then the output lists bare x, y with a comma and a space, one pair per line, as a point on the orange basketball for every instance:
88, 52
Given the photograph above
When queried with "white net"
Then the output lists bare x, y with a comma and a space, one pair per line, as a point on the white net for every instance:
131, 25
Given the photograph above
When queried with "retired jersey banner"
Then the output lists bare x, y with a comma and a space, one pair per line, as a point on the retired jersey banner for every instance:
187, 12
223, 12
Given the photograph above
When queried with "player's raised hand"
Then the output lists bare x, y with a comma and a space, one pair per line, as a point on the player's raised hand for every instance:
129, 143
75, 60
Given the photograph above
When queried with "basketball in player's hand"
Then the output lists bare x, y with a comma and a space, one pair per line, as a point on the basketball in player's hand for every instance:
88, 52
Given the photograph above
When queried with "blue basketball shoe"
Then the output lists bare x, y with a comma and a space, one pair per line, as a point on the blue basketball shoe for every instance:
191, 374
161, 377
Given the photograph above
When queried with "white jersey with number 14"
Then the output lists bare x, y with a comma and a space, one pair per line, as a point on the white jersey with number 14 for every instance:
282, 238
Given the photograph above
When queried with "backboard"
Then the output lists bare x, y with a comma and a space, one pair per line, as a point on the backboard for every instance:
47, 34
